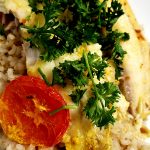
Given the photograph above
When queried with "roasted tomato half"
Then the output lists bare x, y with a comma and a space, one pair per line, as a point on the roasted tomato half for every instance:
25, 112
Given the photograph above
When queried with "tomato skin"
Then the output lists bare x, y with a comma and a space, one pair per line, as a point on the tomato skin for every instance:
25, 113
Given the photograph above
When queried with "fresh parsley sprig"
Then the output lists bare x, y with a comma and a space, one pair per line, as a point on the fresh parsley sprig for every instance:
77, 95
76, 70
99, 107
97, 64
111, 47
73, 70
110, 15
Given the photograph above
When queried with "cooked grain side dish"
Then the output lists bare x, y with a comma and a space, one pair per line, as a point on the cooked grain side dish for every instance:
74, 75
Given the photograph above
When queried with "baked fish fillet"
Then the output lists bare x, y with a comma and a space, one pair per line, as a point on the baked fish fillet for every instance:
135, 83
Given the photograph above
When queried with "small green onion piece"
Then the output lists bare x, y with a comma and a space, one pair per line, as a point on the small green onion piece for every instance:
62, 108
44, 77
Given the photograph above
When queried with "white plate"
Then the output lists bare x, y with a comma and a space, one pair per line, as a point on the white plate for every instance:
141, 9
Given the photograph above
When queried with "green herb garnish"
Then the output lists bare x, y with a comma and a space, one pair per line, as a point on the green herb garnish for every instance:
76, 70
77, 95
99, 108
97, 64
68, 24
112, 49
57, 78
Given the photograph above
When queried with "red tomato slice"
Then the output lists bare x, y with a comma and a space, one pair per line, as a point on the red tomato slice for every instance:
25, 112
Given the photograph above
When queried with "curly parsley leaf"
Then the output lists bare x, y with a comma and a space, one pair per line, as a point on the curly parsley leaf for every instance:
97, 64
57, 78
73, 70
99, 116
117, 56
77, 95
112, 49
76, 70
108, 92
111, 15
